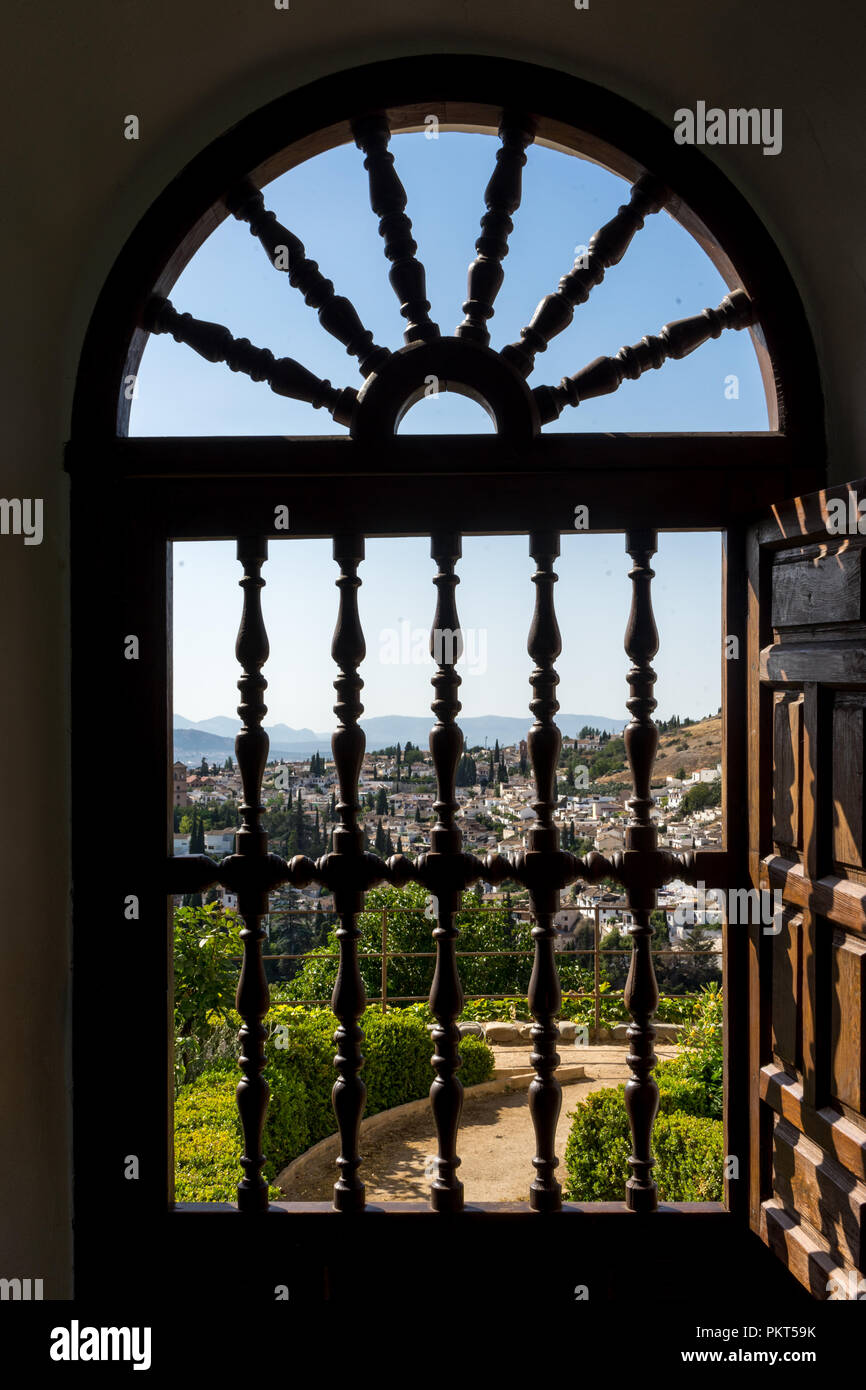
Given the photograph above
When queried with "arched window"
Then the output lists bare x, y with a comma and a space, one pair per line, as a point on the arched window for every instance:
372, 477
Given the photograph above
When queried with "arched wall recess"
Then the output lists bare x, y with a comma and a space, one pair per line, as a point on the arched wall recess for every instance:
375, 483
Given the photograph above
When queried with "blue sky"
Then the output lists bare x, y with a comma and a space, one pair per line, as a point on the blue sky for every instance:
665, 275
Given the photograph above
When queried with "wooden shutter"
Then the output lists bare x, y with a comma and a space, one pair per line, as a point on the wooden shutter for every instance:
805, 721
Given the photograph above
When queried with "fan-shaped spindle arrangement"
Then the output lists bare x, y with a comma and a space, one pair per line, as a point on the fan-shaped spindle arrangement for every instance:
348, 874
251, 749
541, 861
388, 201
677, 339
447, 871
502, 199
284, 375
641, 990
286, 252
407, 276
606, 248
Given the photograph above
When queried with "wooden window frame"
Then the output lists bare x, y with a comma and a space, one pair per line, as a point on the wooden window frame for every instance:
157, 490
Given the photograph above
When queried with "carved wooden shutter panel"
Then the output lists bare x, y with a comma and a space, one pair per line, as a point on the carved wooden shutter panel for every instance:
806, 706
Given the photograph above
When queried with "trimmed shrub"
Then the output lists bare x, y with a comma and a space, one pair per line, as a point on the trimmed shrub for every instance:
597, 1148
700, 1059
208, 1142
477, 1061
677, 1092
300, 1072
690, 1157
688, 1146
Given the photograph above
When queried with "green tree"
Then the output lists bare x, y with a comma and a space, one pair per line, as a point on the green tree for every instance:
409, 929
467, 773
205, 974
196, 837
701, 796
381, 802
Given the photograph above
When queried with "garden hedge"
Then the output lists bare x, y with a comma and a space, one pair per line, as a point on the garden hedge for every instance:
688, 1146
300, 1073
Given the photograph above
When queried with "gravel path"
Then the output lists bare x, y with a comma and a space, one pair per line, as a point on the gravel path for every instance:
496, 1141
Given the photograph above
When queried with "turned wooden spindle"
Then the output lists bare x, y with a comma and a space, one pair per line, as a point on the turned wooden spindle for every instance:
444, 865
284, 375
606, 248
676, 340
545, 996
349, 999
388, 201
337, 315
253, 999
502, 199
641, 990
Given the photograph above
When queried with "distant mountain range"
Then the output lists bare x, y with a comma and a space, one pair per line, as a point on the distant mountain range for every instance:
213, 739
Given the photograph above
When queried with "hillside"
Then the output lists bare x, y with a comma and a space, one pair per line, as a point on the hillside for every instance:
700, 745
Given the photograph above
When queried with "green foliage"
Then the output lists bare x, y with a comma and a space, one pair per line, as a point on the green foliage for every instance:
410, 926
701, 796
494, 1010
674, 1008
597, 1148
299, 1053
688, 1147
688, 1133
610, 758
208, 1142
690, 1157
700, 1059
467, 772
205, 976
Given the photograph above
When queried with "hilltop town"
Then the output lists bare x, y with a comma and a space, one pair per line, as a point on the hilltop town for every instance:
495, 791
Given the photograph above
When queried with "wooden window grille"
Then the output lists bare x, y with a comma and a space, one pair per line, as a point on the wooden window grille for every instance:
375, 483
